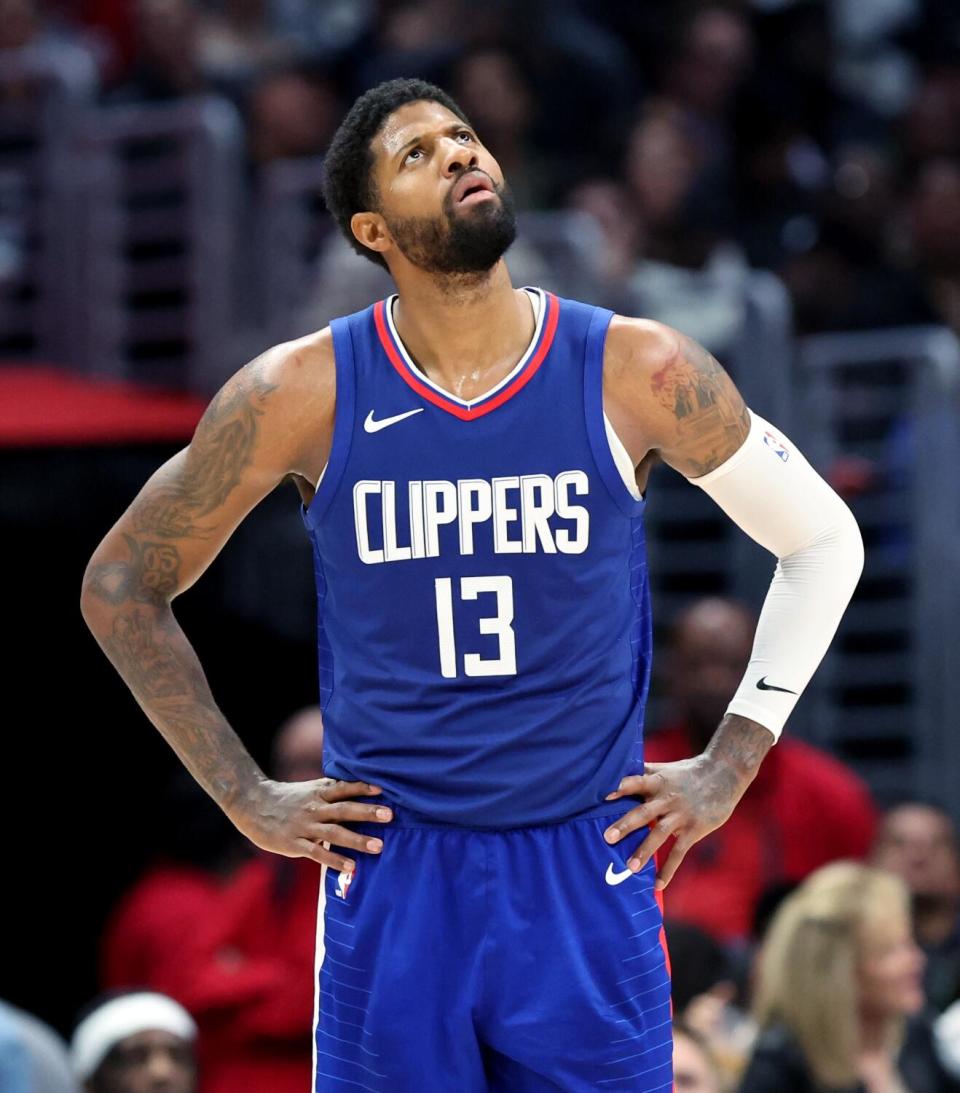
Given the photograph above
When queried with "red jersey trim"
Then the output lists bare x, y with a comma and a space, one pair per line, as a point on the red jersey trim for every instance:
470, 413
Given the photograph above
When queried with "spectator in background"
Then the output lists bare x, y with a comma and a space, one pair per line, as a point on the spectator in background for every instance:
198, 849
664, 166
946, 1032
704, 992
608, 202
703, 77
840, 991
29, 32
410, 38
694, 1070
846, 276
919, 842
20, 23
167, 61
14, 1061
139, 1042
934, 235
584, 80
111, 24
930, 125
492, 88
298, 747
246, 973
293, 111
33, 1058
803, 809
689, 271
238, 39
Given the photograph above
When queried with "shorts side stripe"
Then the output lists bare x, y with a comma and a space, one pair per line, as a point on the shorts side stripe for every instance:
319, 953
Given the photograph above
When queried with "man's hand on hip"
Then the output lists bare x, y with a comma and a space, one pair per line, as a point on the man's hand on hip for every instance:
303, 819
689, 799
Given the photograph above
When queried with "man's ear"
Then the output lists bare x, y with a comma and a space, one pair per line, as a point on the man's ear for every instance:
371, 230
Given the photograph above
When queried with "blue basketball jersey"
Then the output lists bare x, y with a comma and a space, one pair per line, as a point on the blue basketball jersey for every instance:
484, 627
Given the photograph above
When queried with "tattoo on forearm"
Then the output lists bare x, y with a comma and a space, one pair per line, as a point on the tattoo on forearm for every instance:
139, 634
151, 652
143, 657
741, 744
712, 419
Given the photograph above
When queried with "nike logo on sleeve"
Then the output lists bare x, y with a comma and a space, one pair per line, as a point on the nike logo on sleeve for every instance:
763, 685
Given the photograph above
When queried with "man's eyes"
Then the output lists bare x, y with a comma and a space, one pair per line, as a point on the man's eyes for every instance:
462, 133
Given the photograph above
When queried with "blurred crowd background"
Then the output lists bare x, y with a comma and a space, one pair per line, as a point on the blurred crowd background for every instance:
779, 179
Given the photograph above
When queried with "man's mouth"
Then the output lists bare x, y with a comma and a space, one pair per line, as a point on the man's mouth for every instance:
472, 187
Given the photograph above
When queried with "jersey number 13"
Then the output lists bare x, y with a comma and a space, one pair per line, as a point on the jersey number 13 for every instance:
500, 624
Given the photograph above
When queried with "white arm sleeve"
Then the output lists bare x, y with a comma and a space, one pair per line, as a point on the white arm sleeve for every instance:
769, 490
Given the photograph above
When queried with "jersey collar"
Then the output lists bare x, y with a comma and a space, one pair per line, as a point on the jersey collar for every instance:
512, 383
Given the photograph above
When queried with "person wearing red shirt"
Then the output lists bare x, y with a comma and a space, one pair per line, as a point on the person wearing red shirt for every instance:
246, 974
802, 810
198, 850
234, 944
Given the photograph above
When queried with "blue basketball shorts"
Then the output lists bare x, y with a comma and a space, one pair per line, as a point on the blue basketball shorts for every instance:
462, 960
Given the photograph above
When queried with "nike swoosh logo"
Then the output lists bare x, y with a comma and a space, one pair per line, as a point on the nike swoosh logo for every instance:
616, 878
371, 426
765, 686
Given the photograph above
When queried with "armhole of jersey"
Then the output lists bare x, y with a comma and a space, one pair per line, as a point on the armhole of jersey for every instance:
609, 454
343, 415
622, 459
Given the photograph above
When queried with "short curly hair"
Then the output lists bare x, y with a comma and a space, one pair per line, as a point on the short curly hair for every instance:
348, 185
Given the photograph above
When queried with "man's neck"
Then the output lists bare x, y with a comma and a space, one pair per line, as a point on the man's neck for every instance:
465, 337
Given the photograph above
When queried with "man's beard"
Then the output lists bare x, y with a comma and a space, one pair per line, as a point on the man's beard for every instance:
470, 241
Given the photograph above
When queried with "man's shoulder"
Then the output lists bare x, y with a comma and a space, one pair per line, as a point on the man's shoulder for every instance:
285, 396
301, 357
301, 371
634, 343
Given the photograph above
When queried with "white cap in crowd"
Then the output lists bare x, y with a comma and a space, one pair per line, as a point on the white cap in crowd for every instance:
946, 1033
100, 1031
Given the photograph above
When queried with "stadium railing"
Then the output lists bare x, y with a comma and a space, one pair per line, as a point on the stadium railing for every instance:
887, 698
159, 218
43, 97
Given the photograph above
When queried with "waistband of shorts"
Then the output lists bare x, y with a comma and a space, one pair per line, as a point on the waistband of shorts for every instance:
408, 818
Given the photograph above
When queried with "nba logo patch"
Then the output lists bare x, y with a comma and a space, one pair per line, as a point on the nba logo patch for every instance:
776, 446
344, 880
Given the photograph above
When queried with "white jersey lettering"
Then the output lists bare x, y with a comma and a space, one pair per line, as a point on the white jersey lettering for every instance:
517, 514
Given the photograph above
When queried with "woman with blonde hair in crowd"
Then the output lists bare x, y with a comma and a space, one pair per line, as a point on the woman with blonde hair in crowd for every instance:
839, 991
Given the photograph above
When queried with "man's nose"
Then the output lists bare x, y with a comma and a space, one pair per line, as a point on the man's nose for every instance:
458, 158
162, 1066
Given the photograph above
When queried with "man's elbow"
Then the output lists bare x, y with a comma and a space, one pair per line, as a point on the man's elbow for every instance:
91, 604
851, 545
102, 590
835, 555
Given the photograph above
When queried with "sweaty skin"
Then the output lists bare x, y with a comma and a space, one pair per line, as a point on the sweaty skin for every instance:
667, 398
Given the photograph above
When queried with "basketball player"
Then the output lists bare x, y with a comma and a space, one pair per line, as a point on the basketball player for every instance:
472, 459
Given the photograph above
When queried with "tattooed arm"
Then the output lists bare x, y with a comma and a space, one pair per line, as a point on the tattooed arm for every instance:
668, 399
666, 396
273, 419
